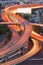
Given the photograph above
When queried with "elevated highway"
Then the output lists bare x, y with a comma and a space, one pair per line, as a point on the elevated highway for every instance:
10, 16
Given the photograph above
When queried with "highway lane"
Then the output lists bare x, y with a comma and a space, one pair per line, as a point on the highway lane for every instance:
9, 23
12, 10
6, 18
35, 24
37, 36
33, 51
25, 36
21, 41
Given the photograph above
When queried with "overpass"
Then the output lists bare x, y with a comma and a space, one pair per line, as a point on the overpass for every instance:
14, 46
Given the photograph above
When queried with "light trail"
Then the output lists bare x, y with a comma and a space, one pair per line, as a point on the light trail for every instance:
9, 23
35, 24
13, 46
27, 55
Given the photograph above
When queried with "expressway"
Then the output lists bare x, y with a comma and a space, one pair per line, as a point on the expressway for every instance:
12, 10
10, 17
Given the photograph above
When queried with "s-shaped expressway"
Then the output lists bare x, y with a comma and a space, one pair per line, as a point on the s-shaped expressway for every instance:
11, 17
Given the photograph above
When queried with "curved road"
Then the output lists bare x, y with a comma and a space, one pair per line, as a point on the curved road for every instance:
13, 17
